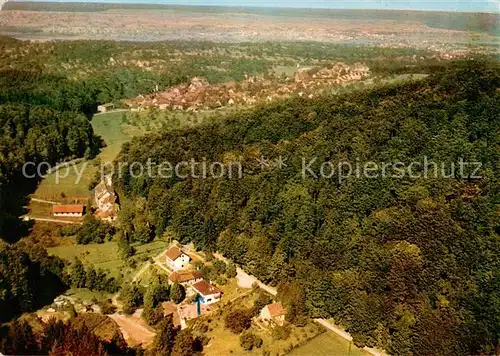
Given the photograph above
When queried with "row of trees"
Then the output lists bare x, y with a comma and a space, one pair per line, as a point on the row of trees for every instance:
59, 338
394, 259
91, 278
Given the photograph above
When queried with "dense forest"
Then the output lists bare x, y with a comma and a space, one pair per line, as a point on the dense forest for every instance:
406, 264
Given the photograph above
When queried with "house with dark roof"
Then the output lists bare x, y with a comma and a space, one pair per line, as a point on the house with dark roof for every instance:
273, 312
176, 259
208, 293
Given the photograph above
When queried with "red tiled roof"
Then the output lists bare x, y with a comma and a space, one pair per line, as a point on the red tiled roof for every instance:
276, 309
182, 277
174, 253
205, 288
69, 209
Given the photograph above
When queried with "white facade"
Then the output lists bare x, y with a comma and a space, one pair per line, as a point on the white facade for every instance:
179, 263
69, 215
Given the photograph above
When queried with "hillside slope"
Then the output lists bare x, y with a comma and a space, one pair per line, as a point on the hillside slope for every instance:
407, 263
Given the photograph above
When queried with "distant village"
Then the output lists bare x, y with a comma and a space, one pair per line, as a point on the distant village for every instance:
201, 95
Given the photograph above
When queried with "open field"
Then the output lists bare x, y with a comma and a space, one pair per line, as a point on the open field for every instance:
328, 344
84, 294
109, 127
107, 256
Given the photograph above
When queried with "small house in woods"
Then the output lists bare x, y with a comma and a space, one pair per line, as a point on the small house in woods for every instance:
105, 107
72, 211
187, 278
208, 293
273, 312
176, 259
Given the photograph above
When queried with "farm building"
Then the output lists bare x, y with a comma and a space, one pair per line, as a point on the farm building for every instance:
185, 278
68, 210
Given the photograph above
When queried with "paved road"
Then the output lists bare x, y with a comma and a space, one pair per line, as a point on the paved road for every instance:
28, 218
44, 201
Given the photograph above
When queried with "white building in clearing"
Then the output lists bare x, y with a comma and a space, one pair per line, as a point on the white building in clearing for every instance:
105, 107
208, 293
176, 259
71, 211
273, 312
104, 196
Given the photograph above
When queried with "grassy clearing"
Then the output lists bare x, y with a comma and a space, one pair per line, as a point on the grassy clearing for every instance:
115, 128
109, 127
150, 275
84, 294
107, 256
153, 120
67, 183
328, 344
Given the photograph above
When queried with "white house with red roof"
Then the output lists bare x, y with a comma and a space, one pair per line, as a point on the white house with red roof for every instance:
176, 259
273, 312
208, 293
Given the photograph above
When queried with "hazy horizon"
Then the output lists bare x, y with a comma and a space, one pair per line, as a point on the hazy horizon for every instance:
438, 5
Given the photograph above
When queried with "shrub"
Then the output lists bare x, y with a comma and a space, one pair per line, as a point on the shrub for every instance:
177, 293
153, 315
231, 270
279, 332
238, 320
249, 341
